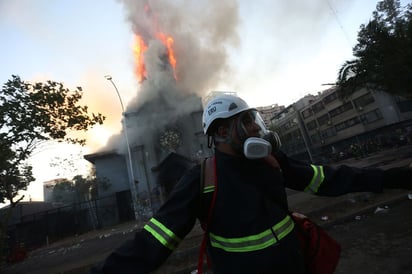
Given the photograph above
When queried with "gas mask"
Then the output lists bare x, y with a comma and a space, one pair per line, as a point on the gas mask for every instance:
258, 142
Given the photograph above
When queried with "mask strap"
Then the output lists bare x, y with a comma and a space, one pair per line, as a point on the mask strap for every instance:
241, 130
209, 141
236, 147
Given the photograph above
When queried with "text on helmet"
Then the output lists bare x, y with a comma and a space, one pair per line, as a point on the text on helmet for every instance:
211, 110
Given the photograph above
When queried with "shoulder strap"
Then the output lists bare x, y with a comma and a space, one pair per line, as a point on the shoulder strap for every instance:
209, 175
202, 175
208, 182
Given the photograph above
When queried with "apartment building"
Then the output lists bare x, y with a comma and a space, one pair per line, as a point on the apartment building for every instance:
327, 124
267, 112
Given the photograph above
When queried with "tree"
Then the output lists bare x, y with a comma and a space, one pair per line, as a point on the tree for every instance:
29, 114
383, 53
79, 189
63, 192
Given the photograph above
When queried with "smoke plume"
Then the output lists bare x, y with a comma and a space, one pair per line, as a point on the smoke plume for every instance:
202, 32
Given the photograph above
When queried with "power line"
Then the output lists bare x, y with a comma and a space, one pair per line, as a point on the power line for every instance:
345, 34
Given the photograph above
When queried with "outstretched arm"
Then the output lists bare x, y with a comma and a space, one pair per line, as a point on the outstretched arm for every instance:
161, 235
333, 181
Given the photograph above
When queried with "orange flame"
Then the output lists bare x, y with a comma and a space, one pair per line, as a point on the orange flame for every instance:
168, 42
139, 49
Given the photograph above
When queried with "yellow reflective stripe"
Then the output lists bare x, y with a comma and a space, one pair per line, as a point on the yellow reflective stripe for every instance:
283, 227
208, 189
254, 242
164, 235
317, 179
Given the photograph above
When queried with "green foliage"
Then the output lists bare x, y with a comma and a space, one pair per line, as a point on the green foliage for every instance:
30, 113
63, 192
383, 54
79, 189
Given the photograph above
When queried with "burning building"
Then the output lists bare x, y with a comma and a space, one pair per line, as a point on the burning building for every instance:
162, 131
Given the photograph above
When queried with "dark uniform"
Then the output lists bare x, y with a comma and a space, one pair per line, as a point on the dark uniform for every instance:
251, 231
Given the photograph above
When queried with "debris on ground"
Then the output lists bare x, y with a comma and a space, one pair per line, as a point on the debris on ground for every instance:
381, 209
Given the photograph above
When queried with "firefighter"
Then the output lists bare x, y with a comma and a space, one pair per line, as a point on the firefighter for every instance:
250, 230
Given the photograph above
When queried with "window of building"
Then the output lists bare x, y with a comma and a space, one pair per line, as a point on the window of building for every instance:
311, 125
318, 107
330, 98
307, 113
341, 109
280, 129
289, 125
296, 134
327, 133
347, 124
322, 120
405, 106
371, 116
287, 137
364, 100
315, 138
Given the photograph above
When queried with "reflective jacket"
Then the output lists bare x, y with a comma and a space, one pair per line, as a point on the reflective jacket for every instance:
251, 231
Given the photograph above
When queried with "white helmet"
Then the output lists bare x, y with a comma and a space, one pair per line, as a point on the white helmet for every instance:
222, 106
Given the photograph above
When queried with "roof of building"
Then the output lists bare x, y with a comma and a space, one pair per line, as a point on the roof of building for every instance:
93, 156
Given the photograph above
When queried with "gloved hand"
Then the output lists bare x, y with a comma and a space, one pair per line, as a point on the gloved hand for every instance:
273, 139
398, 177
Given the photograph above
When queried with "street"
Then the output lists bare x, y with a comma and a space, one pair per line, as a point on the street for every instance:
377, 242
371, 242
